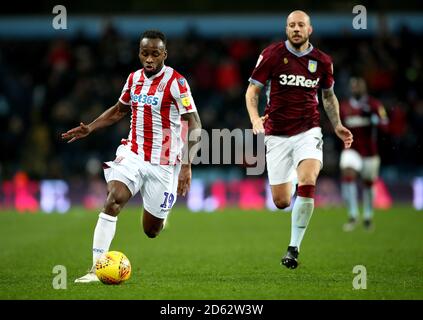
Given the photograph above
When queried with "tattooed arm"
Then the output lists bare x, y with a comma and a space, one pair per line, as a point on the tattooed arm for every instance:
252, 99
194, 134
331, 105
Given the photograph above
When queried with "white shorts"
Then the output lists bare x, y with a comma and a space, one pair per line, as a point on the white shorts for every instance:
283, 154
156, 183
368, 167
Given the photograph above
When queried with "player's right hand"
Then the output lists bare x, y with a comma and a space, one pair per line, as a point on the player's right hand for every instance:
76, 133
258, 124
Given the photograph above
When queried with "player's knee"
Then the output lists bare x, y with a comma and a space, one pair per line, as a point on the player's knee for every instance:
308, 180
282, 203
368, 183
115, 202
151, 232
349, 174
152, 225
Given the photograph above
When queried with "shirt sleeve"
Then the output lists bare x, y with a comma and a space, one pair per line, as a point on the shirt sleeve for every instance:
125, 96
327, 76
263, 68
181, 93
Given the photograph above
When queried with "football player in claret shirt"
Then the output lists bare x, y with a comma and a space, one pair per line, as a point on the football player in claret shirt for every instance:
292, 72
149, 160
364, 116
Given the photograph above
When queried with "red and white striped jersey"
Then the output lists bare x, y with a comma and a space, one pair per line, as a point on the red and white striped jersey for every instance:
157, 104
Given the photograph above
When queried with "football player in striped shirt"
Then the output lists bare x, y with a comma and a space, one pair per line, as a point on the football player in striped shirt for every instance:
149, 161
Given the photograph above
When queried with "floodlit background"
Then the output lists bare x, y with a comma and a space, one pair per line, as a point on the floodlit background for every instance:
51, 192
52, 79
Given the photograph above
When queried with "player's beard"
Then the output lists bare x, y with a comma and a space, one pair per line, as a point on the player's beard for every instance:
298, 45
153, 71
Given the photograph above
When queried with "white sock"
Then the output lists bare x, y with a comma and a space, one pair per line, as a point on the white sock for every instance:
103, 235
368, 203
301, 214
349, 192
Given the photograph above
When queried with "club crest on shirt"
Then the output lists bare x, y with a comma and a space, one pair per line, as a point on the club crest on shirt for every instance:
312, 66
181, 81
285, 60
161, 86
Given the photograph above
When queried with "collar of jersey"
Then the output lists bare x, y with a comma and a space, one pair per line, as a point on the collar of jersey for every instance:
296, 53
155, 75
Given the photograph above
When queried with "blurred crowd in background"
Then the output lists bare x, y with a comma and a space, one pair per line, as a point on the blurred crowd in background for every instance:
49, 86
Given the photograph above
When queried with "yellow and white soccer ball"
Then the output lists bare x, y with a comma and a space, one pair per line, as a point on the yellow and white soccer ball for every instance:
113, 267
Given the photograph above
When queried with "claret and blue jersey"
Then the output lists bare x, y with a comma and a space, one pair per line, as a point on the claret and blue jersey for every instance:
292, 79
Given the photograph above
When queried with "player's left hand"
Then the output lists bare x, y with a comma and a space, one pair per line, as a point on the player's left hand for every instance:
184, 180
345, 135
258, 124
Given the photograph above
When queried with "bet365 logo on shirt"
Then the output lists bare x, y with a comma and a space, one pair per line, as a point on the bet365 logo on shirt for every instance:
297, 80
145, 99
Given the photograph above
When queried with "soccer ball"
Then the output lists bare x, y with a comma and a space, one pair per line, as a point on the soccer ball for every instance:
113, 267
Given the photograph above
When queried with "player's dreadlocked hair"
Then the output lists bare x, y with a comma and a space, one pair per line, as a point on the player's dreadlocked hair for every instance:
154, 34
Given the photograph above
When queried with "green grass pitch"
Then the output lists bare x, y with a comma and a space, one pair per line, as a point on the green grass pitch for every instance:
228, 254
